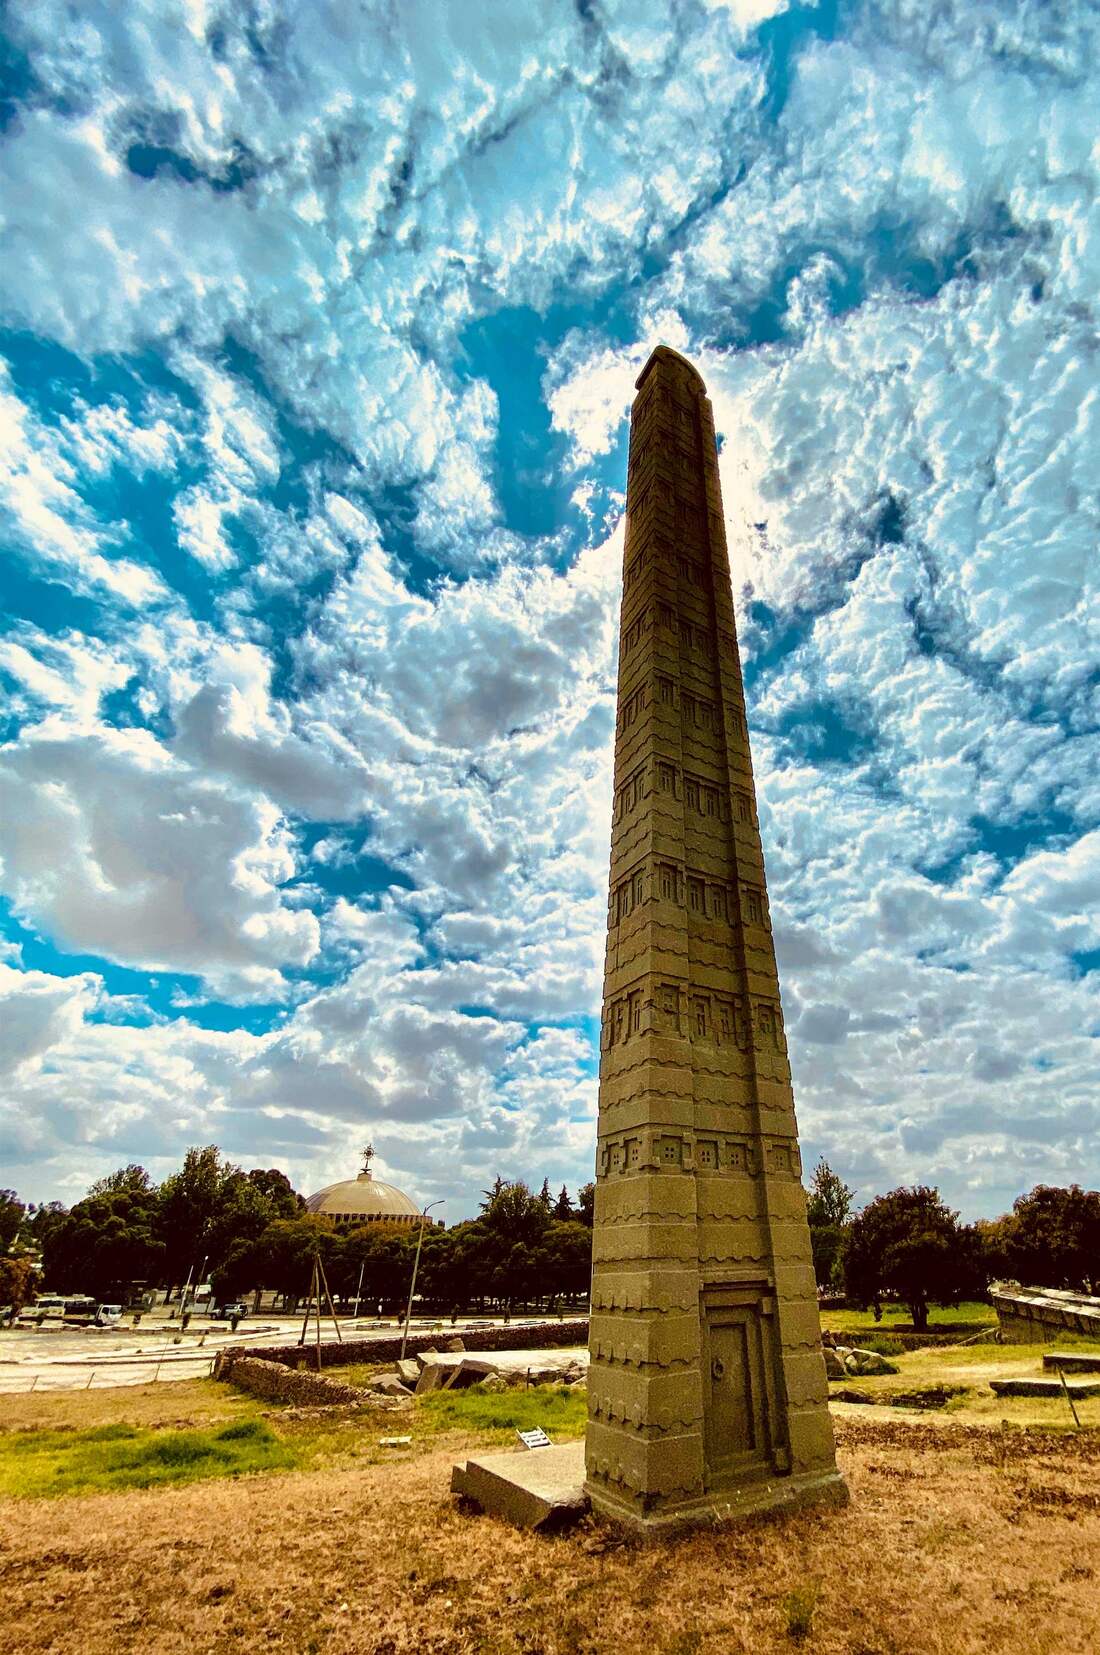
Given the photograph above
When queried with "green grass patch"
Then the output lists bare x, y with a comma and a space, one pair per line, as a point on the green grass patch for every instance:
560, 1411
107, 1457
941, 1318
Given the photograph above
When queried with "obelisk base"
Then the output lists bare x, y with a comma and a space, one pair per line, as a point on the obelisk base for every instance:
779, 1496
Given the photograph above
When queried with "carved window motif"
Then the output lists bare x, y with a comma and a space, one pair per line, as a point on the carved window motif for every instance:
616, 1157
725, 1020
686, 634
718, 905
633, 573
691, 792
780, 1157
666, 616
639, 451
696, 895
633, 635
668, 999
666, 778
634, 1012
667, 875
687, 707
670, 1152
702, 641
706, 1153
699, 1008
742, 807
683, 416
735, 1156
633, 1152
704, 715
639, 503
754, 906
633, 707
617, 1025
638, 888
765, 1022
665, 690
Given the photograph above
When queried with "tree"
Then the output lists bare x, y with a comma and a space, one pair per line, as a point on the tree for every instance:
586, 1204
1052, 1238
545, 1197
827, 1208
17, 1280
106, 1242
563, 1207
285, 1252
40, 1222
11, 1218
128, 1180
830, 1200
566, 1258
190, 1200
908, 1244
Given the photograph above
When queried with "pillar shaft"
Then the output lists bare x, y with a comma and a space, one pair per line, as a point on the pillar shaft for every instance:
706, 1385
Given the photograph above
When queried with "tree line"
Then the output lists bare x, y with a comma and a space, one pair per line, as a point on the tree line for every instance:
910, 1246
248, 1230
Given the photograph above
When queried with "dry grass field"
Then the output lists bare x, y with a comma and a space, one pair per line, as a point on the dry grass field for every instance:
962, 1539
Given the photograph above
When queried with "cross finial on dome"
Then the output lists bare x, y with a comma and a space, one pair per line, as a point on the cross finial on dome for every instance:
368, 1157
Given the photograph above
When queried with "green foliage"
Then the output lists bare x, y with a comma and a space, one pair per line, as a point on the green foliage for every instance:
830, 1200
17, 1280
910, 1245
112, 1237
798, 1610
11, 1218
45, 1463
828, 1205
560, 1411
586, 1204
1052, 1238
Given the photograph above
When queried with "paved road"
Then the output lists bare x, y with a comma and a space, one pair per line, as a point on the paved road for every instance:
78, 1359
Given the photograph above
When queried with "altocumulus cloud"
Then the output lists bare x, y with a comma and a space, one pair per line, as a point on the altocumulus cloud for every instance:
310, 496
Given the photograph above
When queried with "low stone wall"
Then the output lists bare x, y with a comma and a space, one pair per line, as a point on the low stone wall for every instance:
1037, 1316
276, 1382
539, 1336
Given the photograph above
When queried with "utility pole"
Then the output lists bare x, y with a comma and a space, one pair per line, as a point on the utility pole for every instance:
416, 1267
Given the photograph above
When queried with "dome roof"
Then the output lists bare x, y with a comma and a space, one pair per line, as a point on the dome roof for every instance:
363, 1200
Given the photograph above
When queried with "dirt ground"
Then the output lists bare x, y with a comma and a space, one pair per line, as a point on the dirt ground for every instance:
960, 1540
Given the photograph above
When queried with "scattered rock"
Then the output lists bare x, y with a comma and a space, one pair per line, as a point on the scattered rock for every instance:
387, 1384
851, 1395
494, 1384
834, 1363
433, 1377
454, 1344
408, 1371
867, 1362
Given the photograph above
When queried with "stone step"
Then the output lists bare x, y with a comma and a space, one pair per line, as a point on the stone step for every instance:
1077, 1388
1073, 1361
536, 1488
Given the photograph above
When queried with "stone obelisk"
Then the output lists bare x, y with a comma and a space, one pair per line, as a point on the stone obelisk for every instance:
706, 1389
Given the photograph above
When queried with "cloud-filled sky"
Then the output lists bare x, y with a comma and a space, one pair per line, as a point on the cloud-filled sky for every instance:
320, 324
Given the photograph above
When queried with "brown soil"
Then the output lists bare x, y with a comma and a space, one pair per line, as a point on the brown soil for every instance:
960, 1540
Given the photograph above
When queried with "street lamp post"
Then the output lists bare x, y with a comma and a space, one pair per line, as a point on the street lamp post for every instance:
416, 1267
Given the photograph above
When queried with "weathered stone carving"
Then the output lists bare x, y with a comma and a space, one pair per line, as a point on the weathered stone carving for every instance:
707, 1391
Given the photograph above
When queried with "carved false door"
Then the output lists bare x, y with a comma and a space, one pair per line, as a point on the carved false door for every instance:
737, 1405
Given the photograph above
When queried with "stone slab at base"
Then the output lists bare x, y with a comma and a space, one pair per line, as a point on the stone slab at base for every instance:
536, 1488
1073, 1361
1077, 1388
756, 1499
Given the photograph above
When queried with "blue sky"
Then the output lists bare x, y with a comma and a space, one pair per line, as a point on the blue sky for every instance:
319, 331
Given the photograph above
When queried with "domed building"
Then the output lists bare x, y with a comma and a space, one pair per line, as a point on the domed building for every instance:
364, 1200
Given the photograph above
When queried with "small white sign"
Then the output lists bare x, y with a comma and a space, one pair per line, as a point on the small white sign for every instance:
534, 1439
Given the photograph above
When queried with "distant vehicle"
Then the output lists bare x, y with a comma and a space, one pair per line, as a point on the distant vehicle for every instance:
108, 1314
49, 1305
226, 1311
